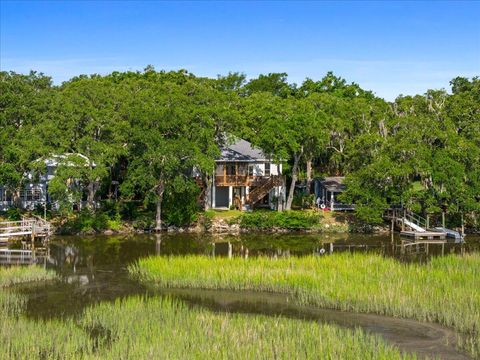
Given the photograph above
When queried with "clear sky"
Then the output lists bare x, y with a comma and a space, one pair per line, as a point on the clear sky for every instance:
387, 47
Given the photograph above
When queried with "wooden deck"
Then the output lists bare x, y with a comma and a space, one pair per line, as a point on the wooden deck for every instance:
424, 235
33, 228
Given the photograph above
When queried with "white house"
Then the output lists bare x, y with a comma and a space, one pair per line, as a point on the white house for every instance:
35, 191
246, 177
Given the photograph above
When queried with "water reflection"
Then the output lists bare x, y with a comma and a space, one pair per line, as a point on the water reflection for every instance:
94, 268
66, 254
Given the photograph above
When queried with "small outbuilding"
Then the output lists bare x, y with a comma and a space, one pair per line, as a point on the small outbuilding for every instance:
327, 190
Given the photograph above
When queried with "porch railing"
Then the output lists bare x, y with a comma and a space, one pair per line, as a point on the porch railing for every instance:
239, 180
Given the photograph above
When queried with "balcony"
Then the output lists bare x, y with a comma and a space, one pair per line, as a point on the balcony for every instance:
246, 180
238, 180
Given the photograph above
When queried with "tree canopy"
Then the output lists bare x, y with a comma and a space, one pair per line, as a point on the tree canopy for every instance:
148, 130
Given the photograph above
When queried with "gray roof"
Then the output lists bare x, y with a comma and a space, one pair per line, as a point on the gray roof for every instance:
333, 183
241, 150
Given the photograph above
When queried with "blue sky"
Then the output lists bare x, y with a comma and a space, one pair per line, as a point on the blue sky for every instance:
387, 47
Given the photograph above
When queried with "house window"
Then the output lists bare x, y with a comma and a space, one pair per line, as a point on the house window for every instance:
231, 169
219, 170
33, 194
267, 169
250, 169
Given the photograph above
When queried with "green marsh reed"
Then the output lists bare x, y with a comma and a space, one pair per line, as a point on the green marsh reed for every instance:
446, 290
163, 328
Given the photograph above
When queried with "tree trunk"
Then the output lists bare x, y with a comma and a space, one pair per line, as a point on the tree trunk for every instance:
91, 194
17, 201
296, 160
309, 175
158, 216
208, 192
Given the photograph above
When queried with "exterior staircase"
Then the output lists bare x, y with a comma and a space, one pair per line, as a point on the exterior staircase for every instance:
263, 189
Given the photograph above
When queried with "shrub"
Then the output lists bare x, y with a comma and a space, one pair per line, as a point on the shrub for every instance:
89, 221
291, 220
13, 214
180, 208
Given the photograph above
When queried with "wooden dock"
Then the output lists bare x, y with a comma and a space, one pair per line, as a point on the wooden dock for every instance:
33, 228
424, 235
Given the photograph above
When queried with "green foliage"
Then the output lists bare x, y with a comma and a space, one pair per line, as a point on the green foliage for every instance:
180, 204
146, 131
13, 214
302, 200
87, 221
268, 220
144, 221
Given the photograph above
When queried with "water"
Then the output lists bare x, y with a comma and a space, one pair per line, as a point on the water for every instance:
93, 269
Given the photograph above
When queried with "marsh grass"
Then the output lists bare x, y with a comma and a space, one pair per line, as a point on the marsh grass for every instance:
21, 274
12, 303
139, 328
21, 338
445, 291
163, 328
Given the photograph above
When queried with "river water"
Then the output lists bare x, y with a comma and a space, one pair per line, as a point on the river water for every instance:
93, 269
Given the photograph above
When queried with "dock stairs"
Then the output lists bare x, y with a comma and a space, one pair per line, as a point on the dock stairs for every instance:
417, 227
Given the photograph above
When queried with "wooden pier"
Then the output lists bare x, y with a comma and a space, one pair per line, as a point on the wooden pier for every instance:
416, 227
424, 235
32, 228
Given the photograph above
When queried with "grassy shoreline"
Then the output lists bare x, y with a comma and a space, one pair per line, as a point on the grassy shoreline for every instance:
139, 327
442, 291
21, 274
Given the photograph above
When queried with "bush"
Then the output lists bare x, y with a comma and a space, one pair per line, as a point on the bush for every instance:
302, 200
13, 214
291, 220
128, 209
180, 208
144, 221
88, 221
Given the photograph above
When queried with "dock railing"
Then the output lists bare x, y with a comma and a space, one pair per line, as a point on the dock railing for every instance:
33, 227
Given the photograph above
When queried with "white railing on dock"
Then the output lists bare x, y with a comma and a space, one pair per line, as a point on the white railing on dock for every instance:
33, 227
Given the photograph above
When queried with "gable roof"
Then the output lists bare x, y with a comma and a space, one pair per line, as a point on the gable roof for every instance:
334, 183
241, 150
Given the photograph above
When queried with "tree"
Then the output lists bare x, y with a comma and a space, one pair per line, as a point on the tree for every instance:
23, 101
85, 119
172, 132
273, 83
286, 129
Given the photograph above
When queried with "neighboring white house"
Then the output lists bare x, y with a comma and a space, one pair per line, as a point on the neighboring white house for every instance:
246, 177
35, 192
